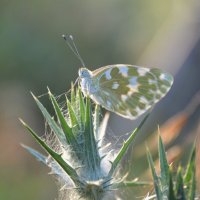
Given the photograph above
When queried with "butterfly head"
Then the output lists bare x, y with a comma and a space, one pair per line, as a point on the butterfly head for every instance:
84, 73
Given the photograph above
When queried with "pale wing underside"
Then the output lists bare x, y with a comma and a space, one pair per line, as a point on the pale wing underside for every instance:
130, 90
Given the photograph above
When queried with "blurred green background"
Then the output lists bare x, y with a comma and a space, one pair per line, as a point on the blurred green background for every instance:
33, 55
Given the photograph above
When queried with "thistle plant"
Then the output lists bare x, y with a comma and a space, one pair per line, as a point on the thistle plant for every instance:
76, 156
170, 185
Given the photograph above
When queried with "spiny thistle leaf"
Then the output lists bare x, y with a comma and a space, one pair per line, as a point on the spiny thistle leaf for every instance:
125, 184
81, 107
192, 188
72, 115
155, 177
56, 129
165, 188
164, 168
190, 167
171, 188
53, 165
180, 194
66, 129
35, 153
57, 157
126, 145
90, 142
189, 178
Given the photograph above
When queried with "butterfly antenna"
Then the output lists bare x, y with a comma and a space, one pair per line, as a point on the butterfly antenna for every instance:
70, 42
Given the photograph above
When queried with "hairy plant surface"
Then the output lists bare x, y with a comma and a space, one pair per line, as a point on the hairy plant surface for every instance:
83, 167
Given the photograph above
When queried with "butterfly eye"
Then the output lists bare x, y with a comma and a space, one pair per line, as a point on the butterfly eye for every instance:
84, 73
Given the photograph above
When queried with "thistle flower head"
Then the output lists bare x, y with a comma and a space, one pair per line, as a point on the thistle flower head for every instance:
76, 155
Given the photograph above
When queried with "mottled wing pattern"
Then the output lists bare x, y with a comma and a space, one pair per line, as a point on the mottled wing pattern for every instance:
130, 90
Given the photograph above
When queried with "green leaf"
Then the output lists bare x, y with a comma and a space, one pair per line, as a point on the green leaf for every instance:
180, 194
171, 195
189, 178
35, 153
91, 149
125, 184
155, 177
72, 115
191, 194
190, 167
125, 146
57, 157
81, 107
164, 168
66, 129
55, 128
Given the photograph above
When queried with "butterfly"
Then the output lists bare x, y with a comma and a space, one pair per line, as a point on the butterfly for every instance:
126, 90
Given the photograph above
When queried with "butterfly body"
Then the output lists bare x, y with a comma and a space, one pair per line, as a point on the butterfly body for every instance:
127, 90
89, 85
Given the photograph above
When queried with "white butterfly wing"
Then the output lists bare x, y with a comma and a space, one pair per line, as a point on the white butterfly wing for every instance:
130, 90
